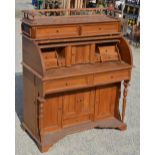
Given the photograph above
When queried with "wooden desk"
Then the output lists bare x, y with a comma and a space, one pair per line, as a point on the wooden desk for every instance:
73, 68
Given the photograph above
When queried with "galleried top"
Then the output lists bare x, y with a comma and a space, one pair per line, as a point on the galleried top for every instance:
66, 16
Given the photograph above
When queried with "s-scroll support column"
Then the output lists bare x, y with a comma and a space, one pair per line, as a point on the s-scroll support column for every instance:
41, 115
126, 84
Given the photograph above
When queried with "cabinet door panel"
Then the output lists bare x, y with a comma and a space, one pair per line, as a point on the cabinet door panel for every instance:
69, 106
80, 54
52, 113
106, 101
83, 103
77, 107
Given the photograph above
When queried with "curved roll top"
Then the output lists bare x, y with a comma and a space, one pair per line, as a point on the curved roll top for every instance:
32, 59
125, 51
44, 57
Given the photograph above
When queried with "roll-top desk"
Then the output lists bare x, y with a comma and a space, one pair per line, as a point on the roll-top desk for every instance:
74, 62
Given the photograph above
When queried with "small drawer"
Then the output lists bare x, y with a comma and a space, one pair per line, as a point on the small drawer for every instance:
108, 53
50, 59
111, 77
66, 83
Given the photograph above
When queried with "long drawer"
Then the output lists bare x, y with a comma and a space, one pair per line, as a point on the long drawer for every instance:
109, 77
57, 85
83, 81
57, 32
99, 29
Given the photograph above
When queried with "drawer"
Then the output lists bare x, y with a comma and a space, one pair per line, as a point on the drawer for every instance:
111, 77
50, 59
100, 29
108, 53
57, 32
66, 83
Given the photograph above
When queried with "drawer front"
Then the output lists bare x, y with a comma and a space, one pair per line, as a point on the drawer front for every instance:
50, 59
108, 53
66, 83
99, 29
111, 77
57, 32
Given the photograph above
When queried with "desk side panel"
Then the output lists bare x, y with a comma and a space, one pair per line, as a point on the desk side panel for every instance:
32, 55
125, 51
30, 109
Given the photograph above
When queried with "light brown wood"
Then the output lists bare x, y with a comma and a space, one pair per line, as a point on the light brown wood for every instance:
53, 110
110, 77
73, 67
126, 83
61, 32
108, 53
65, 83
76, 108
105, 101
50, 59
99, 29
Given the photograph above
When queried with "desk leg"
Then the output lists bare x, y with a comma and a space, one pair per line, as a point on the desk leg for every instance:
40, 123
126, 83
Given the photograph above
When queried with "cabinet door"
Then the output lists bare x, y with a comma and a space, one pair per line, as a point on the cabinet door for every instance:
77, 107
69, 106
106, 101
80, 54
52, 113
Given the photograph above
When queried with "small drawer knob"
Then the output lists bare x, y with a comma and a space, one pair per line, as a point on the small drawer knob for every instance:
67, 84
111, 76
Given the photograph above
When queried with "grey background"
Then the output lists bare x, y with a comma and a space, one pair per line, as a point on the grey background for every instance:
90, 142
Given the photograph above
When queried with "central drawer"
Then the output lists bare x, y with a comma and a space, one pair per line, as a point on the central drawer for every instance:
109, 77
66, 83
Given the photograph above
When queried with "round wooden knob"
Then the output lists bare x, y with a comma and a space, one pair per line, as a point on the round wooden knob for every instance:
111, 77
67, 83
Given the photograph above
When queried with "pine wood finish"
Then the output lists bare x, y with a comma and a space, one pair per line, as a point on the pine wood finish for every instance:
73, 67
